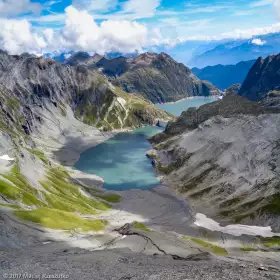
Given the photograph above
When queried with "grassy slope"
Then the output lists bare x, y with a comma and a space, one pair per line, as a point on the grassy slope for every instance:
62, 204
214, 248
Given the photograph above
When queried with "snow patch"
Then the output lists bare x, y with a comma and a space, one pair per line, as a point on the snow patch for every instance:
237, 230
6, 157
121, 101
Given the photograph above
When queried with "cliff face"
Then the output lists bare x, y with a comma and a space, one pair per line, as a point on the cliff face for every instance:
263, 78
224, 156
157, 77
36, 81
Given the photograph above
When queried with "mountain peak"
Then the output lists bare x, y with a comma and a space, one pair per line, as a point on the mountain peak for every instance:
263, 77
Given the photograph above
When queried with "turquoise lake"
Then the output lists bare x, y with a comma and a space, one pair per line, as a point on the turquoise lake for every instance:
121, 161
180, 106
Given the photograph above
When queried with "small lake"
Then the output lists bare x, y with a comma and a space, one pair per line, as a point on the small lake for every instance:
180, 106
121, 161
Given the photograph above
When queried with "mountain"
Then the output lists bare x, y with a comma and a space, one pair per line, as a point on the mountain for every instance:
232, 52
157, 77
36, 81
223, 158
222, 76
82, 58
262, 79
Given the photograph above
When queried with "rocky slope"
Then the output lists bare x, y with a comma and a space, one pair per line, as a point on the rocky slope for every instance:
157, 77
37, 81
263, 78
222, 76
224, 158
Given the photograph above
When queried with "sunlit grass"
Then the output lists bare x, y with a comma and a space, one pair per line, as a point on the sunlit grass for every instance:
214, 248
55, 219
141, 226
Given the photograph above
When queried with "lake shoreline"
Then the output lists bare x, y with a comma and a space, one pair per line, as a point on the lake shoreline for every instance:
186, 98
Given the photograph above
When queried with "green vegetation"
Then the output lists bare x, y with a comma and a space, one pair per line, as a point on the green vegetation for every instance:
201, 193
248, 248
231, 202
40, 155
237, 219
55, 219
274, 205
166, 144
13, 104
65, 196
271, 241
166, 169
20, 190
112, 198
214, 248
141, 226
9, 191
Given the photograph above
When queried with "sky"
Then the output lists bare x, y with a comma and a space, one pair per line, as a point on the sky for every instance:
101, 26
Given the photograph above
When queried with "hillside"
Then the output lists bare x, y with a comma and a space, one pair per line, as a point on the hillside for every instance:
223, 158
223, 76
157, 77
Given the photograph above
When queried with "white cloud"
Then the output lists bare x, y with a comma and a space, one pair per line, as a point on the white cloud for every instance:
15, 7
94, 5
16, 36
81, 32
261, 3
235, 34
140, 8
277, 8
258, 42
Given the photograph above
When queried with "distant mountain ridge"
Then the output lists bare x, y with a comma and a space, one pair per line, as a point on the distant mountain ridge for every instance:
234, 51
224, 76
157, 77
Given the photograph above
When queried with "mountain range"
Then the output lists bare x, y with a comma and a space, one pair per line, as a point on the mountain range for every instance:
223, 76
234, 51
157, 77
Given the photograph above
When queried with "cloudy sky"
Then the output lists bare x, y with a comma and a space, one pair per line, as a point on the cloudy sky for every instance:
102, 26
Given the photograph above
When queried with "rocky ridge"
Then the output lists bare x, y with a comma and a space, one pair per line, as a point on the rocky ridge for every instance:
157, 77
262, 79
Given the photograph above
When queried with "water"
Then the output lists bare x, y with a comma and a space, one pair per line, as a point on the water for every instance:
178, 107
122, 161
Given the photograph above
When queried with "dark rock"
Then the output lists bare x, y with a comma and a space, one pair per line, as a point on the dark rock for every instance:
263, 78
